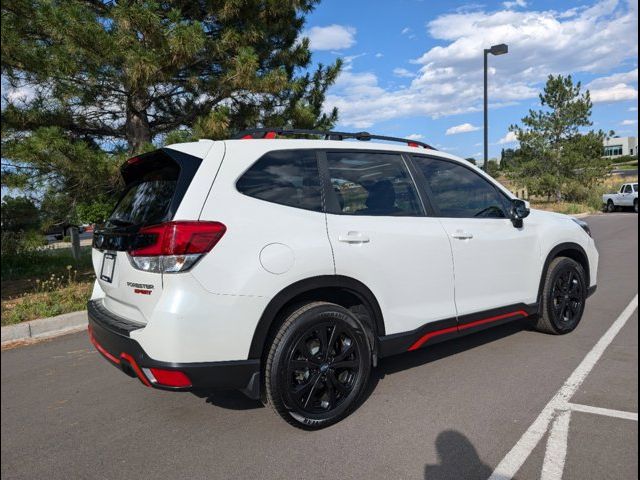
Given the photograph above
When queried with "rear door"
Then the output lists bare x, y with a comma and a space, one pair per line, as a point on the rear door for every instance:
381, 236
494, 262
155, 184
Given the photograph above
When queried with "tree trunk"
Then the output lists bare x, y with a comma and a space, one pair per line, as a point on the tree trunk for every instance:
137, 127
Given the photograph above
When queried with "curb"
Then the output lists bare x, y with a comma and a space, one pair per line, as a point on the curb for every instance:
45, 327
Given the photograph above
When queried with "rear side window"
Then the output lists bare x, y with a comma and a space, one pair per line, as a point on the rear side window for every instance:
459, 192
374, 184
286, 177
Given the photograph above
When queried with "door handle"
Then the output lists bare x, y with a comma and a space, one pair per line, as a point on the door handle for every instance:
353, 237
460, 235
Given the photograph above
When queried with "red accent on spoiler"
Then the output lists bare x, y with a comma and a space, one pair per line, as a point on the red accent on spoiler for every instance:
422, 340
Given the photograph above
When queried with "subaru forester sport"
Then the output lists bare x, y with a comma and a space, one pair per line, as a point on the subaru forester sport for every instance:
285, 267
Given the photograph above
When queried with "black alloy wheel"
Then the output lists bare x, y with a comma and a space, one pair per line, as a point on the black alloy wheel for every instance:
563, 298
318, 366
567, 296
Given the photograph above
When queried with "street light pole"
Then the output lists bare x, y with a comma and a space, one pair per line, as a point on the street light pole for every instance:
500, 49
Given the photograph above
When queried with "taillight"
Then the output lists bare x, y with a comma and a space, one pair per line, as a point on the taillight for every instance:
174, 247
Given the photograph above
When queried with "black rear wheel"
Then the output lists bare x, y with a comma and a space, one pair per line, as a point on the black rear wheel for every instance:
318, 366
611, 206
563, 297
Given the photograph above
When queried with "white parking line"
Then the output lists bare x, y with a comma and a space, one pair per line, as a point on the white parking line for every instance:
516, 457
607, 412
556, 452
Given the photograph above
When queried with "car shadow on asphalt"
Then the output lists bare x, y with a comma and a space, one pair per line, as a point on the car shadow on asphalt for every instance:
231, 400
458, 459
235, 400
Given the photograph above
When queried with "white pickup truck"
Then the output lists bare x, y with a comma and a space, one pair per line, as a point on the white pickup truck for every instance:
627, 196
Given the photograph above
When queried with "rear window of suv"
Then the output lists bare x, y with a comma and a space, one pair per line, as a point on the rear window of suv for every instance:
153, 184
285, 177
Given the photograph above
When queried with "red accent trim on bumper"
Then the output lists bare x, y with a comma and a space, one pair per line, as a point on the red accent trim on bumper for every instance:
118, 361
101, 349
136, 368
422, 340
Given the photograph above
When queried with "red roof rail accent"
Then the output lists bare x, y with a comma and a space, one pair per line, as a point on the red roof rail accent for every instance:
270, 135
412, 144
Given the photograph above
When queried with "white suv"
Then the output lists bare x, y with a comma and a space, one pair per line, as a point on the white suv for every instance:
285, 268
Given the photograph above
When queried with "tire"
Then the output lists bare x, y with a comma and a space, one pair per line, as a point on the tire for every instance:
318, 366
611, 206
635, 205
563, 297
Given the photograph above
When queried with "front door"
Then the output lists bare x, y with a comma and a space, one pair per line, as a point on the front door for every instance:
494, 262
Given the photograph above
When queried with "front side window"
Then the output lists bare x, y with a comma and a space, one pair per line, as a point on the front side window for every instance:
627, 189
373, 184
286, 177
459, 192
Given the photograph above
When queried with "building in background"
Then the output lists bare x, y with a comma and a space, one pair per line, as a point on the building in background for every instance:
620, 146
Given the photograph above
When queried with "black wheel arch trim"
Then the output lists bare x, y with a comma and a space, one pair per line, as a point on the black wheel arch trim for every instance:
298, 289
557, 251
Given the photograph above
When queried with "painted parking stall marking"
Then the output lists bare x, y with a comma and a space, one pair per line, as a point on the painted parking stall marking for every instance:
558, 411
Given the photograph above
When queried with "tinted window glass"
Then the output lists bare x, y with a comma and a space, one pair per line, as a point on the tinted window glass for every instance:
151, 185
635, 187
627, 189
459, 192
287, 177
376, 184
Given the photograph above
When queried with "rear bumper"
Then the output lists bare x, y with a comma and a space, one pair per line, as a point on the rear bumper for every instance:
110, 335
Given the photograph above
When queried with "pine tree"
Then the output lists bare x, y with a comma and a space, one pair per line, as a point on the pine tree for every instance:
555, 158
106, 79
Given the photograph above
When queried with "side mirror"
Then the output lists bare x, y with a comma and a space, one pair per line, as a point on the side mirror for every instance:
519, 211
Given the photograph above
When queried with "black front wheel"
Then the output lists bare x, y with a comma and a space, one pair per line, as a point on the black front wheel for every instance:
318, 366
563, 297
611, 206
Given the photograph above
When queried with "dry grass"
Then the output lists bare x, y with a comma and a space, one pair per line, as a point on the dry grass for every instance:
41, 304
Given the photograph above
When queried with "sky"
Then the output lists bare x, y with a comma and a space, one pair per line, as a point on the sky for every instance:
413, 68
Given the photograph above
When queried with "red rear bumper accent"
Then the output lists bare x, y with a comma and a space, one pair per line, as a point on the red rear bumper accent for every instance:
118, 361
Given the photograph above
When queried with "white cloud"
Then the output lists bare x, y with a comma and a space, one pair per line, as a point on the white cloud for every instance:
414, 136
379, 55
510, 137
331, 37
403, 73
515, 3
614, 88
463, 128
633, 109
449, 81
405, 30
628, 122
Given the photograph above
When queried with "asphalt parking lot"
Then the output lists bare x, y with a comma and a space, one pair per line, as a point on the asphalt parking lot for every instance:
508, 402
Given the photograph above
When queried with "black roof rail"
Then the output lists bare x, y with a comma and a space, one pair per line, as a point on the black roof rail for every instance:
328, 135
